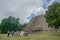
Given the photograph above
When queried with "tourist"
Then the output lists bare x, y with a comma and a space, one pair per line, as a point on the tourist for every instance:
8, 33
12, 33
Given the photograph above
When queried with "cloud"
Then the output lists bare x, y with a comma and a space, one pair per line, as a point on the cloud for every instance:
23, 8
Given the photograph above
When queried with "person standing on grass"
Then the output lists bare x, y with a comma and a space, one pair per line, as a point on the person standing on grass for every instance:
12, 33
8, 33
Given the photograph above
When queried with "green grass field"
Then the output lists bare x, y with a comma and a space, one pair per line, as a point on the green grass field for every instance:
41, 36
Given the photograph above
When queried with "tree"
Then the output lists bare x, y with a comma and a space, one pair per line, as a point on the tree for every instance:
0, 28
9, 24
21, 26
53, 15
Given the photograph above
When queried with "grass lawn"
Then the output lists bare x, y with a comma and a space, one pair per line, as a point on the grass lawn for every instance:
41, 36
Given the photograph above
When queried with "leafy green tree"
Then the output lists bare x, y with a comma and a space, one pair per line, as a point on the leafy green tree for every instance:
0, 28
21, 26
9, 24
53, 15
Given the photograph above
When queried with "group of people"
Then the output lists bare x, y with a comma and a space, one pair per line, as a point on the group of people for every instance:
12, 33
17, 33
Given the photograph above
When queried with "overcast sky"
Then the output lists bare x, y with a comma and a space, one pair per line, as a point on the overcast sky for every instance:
23, 9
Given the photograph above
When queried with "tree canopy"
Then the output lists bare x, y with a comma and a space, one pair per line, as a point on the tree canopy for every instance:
53, 15
11, 24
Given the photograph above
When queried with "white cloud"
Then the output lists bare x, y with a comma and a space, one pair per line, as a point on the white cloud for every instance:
21, 8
